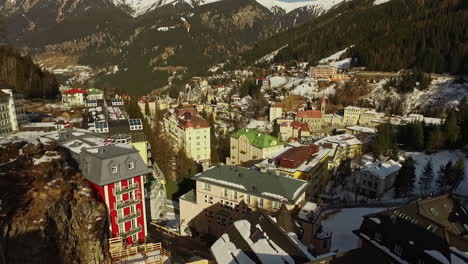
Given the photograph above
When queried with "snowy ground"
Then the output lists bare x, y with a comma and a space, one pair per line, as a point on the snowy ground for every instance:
438, 159
308, 88
343, 223
277, 81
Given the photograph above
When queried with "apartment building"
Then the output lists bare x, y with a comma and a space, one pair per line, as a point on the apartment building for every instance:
360, 116
189, 131
15, 108
343, 146
299, 162
226, 194
276, 111
322, 72
294, 130
251, 144
117, 173
375, 178
5, 123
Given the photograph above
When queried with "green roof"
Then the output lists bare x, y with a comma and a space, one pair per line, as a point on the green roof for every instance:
94, 91
257, 138
267, 185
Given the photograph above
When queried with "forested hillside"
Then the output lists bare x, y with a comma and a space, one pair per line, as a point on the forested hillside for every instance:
28, 78
426, 35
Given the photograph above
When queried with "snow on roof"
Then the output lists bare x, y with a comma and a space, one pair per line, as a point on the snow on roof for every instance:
342, 140
383, 169
308, 211
226, 183
226, 252
268, 251
362, 129
438, 256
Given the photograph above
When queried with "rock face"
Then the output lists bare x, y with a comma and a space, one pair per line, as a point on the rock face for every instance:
23, 74
48, 213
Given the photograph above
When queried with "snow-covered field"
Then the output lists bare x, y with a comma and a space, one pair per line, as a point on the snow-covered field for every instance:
277, 81
308, 88
334, 59
270, 56
343, 223
441, 92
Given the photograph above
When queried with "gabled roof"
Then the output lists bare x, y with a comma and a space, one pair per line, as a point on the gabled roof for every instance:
75, 91
434, 226
257, 138
309, 114
257, 239
285, 220
267, 185
300, 125
294, 157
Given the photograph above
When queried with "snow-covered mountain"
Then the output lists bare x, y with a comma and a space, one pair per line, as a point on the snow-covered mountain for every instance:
140, 7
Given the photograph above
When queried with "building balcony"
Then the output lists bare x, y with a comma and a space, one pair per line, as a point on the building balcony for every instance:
128, 217
131, 232
127, 203
125, 189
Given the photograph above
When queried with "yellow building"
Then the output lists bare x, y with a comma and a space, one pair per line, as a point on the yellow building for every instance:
322, 72
226, 194
189, 131
344, 146
251, 144
276, 111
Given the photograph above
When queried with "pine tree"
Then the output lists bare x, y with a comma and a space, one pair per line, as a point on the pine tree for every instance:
418, 136
463, 119
436, 139
276, 129
443, 177
426, 178
451, 129
458, 171
404, 183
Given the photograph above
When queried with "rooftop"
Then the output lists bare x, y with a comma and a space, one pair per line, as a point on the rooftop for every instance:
75, 91
267, 185
309, 114
257, 138
343, 140
382, 169
294, 157
434, 226
258, 239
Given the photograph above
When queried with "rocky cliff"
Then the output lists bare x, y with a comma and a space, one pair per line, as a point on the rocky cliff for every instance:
27, 77
48, 212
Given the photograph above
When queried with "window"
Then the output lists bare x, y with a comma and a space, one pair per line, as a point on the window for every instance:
207, 186
130, 181
114, 169
208, 199
225, 193
260, 202
131, 165
248, 198
132, 209
378, 237
234, 195
121, 228
398, 249
326, 243
276, 205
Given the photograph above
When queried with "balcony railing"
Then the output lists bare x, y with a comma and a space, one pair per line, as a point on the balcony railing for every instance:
131, 232
128, 217
128, 188
127, 203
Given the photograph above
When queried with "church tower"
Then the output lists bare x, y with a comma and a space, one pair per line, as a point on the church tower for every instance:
322, 105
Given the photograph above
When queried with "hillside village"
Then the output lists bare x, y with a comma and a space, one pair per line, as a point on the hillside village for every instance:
265, 165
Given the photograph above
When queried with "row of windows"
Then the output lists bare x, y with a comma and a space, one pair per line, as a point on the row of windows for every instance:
130, 166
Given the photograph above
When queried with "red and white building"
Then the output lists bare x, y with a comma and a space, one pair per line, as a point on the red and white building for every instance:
117, 172
74, 97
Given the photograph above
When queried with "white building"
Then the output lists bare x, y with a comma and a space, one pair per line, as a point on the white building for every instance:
374, 179
74, 97
15, 109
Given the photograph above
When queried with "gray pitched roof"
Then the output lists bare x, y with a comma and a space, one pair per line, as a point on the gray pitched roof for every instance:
267, 185
96, 164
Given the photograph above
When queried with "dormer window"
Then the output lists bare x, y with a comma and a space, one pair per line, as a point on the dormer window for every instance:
131, 165
114, 169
